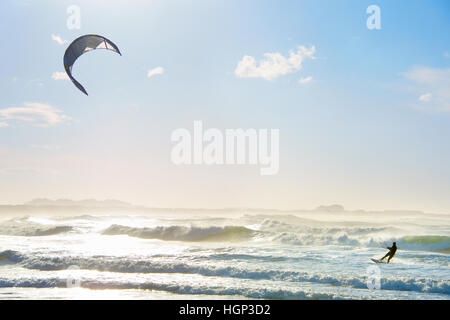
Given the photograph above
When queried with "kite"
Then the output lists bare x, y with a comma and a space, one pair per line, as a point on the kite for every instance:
82, 45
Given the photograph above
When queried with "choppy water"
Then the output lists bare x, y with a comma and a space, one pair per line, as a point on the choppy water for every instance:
302, 256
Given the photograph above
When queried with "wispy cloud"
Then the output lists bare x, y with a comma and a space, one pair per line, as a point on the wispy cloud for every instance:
60, 76
3, 124
305, 80
425, 97
274, 64
36, 113
434, 81
58, 39
155, 71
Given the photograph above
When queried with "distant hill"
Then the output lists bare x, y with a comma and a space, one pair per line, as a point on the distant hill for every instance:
91, 206
332, 208
91, 203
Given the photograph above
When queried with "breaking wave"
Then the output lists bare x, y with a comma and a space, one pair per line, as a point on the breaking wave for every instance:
255, 293
355, 236
25, 228
274, 231
426, 242
127, 265
182, 233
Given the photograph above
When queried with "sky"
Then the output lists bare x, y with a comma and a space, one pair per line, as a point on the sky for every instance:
363, 114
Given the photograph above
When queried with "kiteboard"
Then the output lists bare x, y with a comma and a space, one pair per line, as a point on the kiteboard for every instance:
377, 261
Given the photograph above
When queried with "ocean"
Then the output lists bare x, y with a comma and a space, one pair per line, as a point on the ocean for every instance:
240, 254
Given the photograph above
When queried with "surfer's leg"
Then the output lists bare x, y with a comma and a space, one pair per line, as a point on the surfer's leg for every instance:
387, 254
390, 257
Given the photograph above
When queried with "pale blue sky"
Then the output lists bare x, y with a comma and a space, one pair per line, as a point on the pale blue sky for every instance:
357, 133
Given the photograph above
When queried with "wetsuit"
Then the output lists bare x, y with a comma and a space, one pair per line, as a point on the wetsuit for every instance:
391, 253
